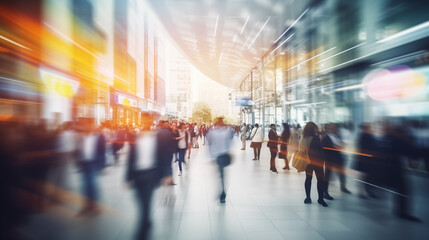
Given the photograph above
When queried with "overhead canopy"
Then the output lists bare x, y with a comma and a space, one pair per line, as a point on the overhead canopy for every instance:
226, 39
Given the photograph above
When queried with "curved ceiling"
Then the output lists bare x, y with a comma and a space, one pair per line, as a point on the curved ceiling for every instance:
224, 39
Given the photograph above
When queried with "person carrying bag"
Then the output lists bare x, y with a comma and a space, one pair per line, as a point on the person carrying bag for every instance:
256, 143
301, 159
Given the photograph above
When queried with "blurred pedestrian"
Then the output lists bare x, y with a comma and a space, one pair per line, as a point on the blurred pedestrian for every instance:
182, 145
284, 141
219, 140
395, 145
189, 139
256, 137
196, 135
148, 165
176, 136
118, 142
334, 160
310, 140
90, 158
273, 145
365, 160
243, 136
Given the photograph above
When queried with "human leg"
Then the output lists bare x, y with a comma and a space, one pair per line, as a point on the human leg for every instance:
144, 185
307, 183
273, 160
321, 182
221, 167
255, 153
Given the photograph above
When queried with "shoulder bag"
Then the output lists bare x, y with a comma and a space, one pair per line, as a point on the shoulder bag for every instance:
252, 144
301, 159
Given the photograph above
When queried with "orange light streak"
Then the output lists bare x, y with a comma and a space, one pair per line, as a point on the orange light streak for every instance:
339, 150
13, 42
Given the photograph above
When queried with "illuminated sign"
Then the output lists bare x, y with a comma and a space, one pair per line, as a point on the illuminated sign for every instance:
125, 100
57, 83
398, 82
243, 101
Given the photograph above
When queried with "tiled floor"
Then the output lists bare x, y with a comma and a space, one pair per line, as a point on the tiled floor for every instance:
260, 205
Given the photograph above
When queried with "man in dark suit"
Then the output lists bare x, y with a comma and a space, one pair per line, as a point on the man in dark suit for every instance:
334, 161
149, 164
273, 140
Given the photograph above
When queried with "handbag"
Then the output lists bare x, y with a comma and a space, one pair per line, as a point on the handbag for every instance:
300, 159
252, 144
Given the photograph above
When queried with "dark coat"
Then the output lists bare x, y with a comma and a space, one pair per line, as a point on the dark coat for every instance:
273, 139
284, 139
315, 152
165, 147
332, 156
100, 154
366, 144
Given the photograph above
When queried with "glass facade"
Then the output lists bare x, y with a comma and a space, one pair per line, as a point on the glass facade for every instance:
323, 70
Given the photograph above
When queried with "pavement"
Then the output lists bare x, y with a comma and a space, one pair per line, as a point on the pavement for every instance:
259, 205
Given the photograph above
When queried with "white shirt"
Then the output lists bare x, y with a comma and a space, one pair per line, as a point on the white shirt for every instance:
182, 142
259, 137
335, 140
146, 146
67, 141
89, 146
243, 130
219, 141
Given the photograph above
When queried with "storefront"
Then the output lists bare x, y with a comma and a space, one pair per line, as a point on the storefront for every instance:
58, 91
124, 108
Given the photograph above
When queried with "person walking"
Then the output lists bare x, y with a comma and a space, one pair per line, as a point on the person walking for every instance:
148, 165
176, 136
182, 145
284, 140
90, 158
189, 138
257, 137
334, 161
219, 140
310, 140
273, 144
365, 160
243, 136
196, 135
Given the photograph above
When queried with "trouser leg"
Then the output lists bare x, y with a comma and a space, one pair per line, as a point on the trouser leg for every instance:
90, 186
320, 181
145, 184
273, 159
308, 178
328, 173
342, 176
221, 175
286, 163
307, 185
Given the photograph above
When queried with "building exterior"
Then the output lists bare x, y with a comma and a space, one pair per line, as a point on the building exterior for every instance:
336, 62
71, 59
179, 91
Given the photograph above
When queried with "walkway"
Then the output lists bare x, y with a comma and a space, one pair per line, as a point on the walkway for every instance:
260, 205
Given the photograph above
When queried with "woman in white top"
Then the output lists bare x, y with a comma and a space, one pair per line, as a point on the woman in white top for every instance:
257, 137
182, 145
